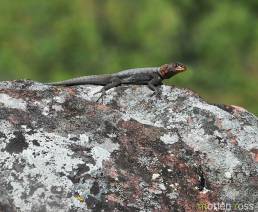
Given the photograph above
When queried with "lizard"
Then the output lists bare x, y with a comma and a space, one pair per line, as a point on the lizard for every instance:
151, 76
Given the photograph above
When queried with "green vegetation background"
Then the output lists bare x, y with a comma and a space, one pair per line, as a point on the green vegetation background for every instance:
58, 39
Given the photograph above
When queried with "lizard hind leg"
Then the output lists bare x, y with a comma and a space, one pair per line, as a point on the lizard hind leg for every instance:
114, 83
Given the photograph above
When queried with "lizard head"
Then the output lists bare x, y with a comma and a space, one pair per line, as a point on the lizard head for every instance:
168, 70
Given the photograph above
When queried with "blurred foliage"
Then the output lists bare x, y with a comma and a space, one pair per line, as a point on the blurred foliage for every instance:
58, 39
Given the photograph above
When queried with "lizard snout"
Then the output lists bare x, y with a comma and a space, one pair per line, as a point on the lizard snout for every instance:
180, 67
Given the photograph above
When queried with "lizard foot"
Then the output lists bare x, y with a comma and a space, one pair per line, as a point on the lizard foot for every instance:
103, 93
156, 93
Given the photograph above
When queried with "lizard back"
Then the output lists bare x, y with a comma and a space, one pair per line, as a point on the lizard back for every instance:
130, 72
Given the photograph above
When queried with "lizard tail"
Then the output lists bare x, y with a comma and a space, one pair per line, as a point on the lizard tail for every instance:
61, 83
90, 80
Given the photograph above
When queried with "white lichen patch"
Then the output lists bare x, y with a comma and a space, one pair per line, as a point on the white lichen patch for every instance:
43, 106
112, 135
88, 92
47, 161
172, 93
210, 108
60, 98
100, 153
133, 108
169, 138
228, 175
162, 186
172, 195
57, 108
5, 129
220, 158
230, 193
155, 176
10, 102
205, 190
38, 86
135, 102
248, 137
92, 93
54, 151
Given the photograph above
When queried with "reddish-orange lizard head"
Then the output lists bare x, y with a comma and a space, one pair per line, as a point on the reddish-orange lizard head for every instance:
168, 70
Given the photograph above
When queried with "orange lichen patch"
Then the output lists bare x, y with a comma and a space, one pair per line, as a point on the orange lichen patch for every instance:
206, 197
70, 90
232, 137
22, 94
233, 141
189, 120
163, 208
113, 199
102, 107
169, 158
140, 132
111, 172
182, 166
153, 189
203, 201
22, 118
192, 180
173, 160
255, 154
13, 119
188, 205
218, 122
130, 187
108, 164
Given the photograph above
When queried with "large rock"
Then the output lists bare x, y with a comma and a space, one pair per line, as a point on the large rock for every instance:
60, 150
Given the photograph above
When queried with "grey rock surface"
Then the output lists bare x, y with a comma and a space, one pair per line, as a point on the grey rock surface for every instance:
62, 151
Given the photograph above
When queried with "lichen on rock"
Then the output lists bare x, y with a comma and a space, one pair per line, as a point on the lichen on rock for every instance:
60, 150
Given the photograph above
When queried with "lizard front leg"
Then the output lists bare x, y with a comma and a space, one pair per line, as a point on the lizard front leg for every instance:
116, 81
154, 85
